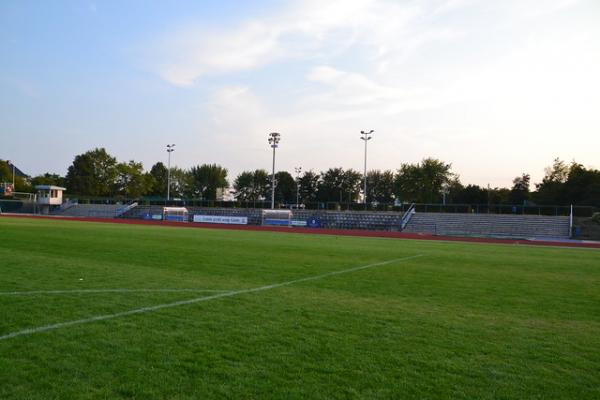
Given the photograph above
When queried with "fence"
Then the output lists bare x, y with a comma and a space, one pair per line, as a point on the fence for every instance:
549, 210
17, 206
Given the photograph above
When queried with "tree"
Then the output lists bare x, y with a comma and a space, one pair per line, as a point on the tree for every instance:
22, 183
158, 177
339, 185
181, 183
351, 185
422, 182
558, 172
252, 185
380, 186
206, 179
331, 185
92, 173
470, 194
564, 185
499, 196
519, 194
48, 179
582, 186
552, 188
309, 185
285, 188
131, 181
5, 172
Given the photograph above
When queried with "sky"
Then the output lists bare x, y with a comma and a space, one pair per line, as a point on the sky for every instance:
497, 88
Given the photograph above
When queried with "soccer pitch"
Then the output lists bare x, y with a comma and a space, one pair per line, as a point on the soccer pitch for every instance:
99, 310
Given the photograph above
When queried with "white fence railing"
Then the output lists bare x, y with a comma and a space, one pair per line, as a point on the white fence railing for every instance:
122, 210
407, 216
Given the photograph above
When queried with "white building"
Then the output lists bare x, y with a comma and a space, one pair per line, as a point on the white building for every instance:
48, 197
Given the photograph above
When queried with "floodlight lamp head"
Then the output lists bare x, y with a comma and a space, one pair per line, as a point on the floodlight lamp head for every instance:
274, 139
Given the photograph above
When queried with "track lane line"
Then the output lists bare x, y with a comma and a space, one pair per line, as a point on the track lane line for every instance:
85, 291
59, 325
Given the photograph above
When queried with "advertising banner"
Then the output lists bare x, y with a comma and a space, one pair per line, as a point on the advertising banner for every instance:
299, 222
218, 219
314, 222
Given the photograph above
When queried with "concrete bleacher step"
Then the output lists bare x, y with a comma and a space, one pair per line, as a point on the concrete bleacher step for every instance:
90, 210
517, 226
520, 226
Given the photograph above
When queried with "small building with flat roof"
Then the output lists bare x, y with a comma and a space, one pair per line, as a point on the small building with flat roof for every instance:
48, 197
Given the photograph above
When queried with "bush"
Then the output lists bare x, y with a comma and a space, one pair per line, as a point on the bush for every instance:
596, 217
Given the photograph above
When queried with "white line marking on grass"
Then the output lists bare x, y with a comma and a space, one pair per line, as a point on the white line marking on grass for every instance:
198, 299
85, 291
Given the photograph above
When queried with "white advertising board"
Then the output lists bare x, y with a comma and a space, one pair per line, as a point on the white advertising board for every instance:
218, 219
298, 222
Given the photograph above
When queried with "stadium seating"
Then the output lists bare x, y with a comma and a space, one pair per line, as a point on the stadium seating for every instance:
385, 221
457, 224
90, 210
490, 225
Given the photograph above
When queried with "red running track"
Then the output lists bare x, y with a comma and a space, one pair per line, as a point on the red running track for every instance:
320, 231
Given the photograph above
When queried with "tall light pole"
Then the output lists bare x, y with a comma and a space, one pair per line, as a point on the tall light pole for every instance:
366, 136
274, 139
298, 171
445, 191
170, 149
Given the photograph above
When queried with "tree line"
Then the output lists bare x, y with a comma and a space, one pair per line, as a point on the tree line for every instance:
98, 174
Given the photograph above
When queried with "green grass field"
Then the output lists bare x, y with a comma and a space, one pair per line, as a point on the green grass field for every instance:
462, 321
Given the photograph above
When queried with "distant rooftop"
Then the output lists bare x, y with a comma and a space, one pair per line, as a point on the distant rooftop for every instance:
49, 187
18, 172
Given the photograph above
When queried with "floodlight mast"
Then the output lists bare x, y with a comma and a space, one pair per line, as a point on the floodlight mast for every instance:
298, 171
274, 139
170, 149
366, 136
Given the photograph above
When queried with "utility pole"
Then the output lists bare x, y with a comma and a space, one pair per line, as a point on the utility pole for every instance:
170, 149
274, 139
298, 171
366, 136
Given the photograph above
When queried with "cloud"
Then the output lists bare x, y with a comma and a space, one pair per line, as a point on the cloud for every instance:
432, 78
305, 30
388, 31
193, 53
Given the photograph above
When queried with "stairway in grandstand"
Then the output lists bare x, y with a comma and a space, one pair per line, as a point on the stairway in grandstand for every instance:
489, 225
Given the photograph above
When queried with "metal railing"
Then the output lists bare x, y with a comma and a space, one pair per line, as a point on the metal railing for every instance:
549, 210
122, 210
407, 216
